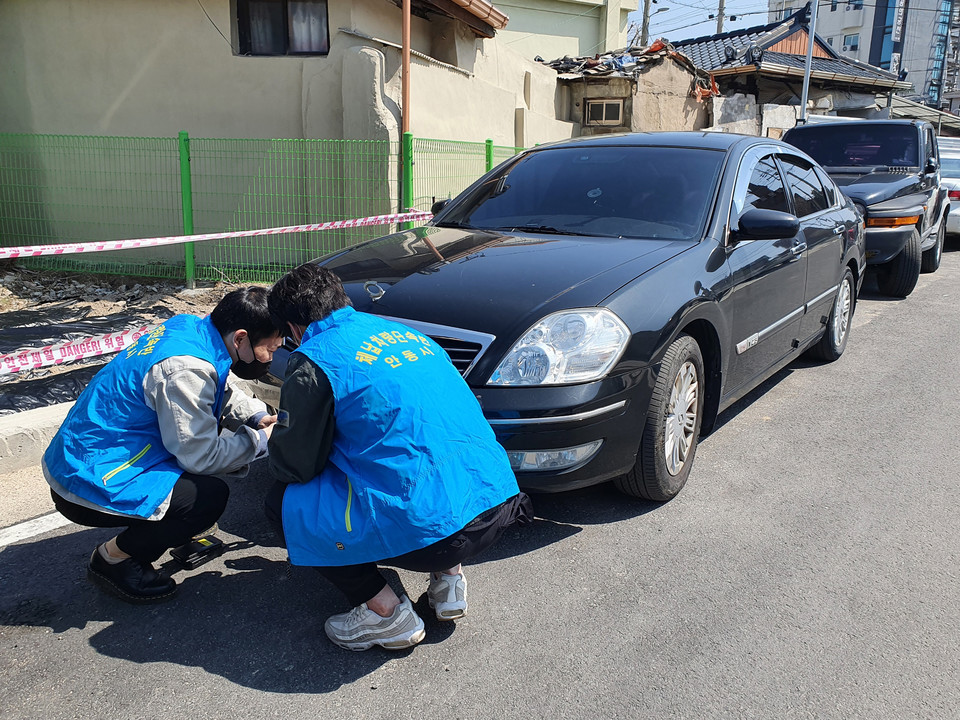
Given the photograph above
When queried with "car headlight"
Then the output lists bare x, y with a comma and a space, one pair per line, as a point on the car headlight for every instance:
569, 346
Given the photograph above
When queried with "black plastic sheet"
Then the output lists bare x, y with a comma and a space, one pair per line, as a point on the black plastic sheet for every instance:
49, 325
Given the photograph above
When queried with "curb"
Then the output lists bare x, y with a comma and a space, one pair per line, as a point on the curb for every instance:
24, 436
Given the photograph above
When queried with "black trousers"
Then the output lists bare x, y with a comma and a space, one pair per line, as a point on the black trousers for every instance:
361, 583
197, 503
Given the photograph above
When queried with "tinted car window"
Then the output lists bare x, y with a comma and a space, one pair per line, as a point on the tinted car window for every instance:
764, 190
829, 187
855, 145
805, 187
655, 192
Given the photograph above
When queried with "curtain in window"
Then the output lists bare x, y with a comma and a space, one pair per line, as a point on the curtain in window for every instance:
308, 26
266, 27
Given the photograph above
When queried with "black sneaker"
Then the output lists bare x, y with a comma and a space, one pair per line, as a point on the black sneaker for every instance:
131, 580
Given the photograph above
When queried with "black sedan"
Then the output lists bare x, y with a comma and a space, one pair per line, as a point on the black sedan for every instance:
606, 297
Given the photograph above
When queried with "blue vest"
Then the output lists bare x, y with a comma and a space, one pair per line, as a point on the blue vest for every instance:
108, 450
413, 459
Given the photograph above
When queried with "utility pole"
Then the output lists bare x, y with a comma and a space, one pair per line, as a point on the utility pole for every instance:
645, 26
719, 18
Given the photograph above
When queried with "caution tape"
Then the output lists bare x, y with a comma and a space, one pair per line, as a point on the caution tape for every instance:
71, 350
9, 253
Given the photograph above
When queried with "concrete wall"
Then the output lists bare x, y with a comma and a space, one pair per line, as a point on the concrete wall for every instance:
143, 68
658, 99
555, 28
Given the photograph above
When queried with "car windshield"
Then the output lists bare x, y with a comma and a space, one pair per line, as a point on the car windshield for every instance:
855, 145
950, 166
608, 191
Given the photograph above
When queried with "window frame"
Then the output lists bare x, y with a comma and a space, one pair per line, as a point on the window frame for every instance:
589, 102
244, 31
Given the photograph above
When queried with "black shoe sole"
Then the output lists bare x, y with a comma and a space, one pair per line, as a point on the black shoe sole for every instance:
108, 586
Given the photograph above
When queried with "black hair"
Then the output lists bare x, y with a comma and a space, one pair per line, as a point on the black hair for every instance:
246, 309
307, 294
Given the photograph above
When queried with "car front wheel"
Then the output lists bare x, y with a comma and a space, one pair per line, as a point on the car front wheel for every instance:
672, 427
898, 277
834, 340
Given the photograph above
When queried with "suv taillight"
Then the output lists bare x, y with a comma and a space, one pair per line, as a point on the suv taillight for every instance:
954, 194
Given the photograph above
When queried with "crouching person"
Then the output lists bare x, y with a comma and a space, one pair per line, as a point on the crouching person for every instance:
140, 448
383, 457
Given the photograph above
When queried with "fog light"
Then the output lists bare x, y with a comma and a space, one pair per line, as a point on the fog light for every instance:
559, 459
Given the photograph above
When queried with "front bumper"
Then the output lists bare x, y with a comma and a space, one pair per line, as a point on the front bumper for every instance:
527, 419
884, 244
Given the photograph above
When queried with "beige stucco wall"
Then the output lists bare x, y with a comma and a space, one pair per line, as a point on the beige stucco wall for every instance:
659, 99
145, 68
554, 28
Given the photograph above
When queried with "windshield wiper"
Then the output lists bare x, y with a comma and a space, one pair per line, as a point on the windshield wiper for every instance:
543, 229
456, 224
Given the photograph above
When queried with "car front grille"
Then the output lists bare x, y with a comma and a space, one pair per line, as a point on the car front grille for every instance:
462, 352
463, 346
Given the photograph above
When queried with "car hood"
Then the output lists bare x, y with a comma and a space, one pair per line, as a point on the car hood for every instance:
490, 282
877, 186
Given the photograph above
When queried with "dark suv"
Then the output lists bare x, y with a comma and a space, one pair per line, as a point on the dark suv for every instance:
891, 171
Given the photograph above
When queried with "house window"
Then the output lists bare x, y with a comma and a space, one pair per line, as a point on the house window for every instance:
855, 5
604, 112
851, 43
830, 41
833, 5
282, 27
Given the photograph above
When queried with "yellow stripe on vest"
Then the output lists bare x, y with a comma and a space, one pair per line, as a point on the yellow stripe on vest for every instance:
127, 464
346, 517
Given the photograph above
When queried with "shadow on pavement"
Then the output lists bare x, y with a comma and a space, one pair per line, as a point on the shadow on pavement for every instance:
248, 616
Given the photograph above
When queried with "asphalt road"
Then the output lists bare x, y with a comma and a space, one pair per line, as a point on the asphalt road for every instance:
808, 570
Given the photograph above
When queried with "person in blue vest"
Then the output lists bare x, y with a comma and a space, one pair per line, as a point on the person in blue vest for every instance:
383, 457
142, 445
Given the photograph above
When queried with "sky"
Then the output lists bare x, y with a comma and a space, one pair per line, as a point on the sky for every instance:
682, 19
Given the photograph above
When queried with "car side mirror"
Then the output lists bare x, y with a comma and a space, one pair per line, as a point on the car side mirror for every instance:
757, 224
439, 205
932, 166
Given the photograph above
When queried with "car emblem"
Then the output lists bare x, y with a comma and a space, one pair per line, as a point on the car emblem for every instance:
374, 290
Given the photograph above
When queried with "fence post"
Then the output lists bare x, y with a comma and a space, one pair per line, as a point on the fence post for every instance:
186, 198
406, 191
489, 145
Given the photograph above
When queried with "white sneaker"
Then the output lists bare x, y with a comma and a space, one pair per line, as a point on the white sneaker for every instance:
447, 595
362, 628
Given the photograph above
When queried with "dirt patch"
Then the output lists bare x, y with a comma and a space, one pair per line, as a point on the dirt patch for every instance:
40, 308
26, 289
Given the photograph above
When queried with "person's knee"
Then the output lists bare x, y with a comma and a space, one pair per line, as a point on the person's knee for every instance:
212, 496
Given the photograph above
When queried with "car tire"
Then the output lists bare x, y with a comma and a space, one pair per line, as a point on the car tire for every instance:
672, 427
898, 277
931, 258
834, 341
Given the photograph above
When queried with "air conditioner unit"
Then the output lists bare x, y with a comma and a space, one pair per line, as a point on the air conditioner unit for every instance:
845, 48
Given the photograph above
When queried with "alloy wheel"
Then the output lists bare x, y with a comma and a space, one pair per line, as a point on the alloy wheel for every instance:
841, 313
681, 418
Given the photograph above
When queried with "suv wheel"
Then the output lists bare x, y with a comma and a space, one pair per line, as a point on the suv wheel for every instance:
898, 277
671, 431
834, 340
931, 258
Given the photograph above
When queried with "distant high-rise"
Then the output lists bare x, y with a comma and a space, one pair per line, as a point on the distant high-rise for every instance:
896, 35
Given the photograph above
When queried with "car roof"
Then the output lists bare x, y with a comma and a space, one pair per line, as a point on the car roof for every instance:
691, 139
843, 123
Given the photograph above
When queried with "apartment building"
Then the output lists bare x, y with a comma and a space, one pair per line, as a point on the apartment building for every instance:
903, 36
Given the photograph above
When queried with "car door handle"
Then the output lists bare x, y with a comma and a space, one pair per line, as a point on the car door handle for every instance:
839, 229
798, 248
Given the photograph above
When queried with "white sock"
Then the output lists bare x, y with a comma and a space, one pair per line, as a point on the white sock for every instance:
102, 549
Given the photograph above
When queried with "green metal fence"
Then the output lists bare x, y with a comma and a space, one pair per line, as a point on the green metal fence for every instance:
64, 189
